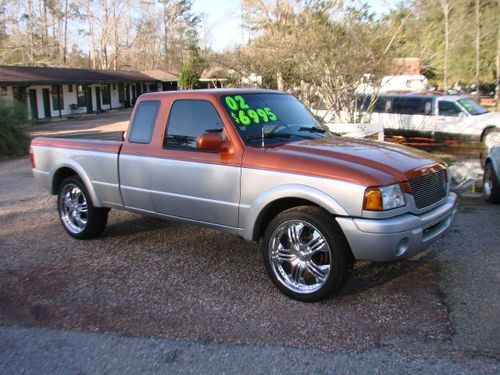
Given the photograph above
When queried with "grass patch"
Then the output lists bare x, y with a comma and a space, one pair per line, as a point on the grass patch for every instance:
13, 140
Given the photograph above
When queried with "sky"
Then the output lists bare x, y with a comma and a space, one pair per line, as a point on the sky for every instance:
223, 20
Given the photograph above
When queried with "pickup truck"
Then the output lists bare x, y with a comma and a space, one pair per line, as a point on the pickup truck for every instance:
255, 163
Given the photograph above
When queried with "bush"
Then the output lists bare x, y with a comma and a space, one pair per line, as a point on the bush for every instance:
13, 141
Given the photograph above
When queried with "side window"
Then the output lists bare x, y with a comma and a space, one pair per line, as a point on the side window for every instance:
413, 106
448, 109
382, 105
144, 121
188, 120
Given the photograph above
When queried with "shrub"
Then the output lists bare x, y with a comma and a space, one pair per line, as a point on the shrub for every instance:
13, 140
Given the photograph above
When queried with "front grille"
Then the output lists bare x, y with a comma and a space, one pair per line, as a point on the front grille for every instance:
429, 189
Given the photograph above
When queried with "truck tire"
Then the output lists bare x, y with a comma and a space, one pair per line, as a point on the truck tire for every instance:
491, 138
78, 215
306, 254
491, 185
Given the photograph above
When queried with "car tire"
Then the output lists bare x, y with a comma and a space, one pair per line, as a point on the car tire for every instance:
491, 138
306, 255
79, 217
491, 185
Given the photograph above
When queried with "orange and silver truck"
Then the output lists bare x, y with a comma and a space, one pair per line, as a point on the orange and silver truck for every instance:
255, 163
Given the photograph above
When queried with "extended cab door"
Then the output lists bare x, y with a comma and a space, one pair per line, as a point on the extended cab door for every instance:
133, 162
190, 183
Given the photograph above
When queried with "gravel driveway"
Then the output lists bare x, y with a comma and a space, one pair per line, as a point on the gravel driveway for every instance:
149, 278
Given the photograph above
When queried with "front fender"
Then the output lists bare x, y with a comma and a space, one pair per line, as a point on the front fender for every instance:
318, 197
72, 164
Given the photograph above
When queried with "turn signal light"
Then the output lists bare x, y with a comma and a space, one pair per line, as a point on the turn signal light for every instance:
373, 200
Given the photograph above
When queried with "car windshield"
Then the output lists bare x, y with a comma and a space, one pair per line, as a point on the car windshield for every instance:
472, 107
271, 118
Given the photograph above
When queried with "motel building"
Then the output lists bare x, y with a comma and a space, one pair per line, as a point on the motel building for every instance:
49, 92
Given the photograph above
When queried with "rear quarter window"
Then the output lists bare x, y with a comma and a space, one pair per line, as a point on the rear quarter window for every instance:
142, 127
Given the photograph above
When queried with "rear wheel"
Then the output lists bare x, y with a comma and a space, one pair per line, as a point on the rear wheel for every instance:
306, 254
78, 215
491, 185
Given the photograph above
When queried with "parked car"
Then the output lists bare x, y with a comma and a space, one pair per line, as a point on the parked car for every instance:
491, 179
435, 116
255, 163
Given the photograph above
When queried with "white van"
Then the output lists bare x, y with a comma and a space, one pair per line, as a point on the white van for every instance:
436, 116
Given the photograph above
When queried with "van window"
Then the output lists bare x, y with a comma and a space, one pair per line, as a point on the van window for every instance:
412, 106
448, 109
383, 105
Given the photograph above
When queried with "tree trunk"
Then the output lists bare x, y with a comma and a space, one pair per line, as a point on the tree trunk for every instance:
65, 47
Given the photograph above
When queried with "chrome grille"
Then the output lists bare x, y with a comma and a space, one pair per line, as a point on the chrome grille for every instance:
429, 189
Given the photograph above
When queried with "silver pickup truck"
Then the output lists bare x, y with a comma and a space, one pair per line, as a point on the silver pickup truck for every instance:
255, 163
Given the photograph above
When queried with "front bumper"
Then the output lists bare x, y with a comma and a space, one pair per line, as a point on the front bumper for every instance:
400, 237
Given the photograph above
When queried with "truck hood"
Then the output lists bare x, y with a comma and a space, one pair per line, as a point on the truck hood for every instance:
363, 162
490, 118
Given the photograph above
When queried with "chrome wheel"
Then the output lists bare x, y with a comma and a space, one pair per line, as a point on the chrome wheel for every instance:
73, 208
300, 256
491, 139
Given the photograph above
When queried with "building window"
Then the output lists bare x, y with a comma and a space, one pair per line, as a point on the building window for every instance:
114, 86
19, 94
70, 88
153, 87
81, 95
57, 97
105, 94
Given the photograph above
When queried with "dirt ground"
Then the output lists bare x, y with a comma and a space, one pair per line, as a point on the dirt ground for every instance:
148, 278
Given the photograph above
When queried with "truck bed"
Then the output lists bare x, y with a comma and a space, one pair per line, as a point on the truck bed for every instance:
95, 161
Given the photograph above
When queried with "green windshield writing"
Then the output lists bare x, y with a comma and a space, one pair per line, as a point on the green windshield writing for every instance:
244, 115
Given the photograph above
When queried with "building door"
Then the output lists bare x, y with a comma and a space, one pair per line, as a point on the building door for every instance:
46, 102
89, 99
33, 104
98, 98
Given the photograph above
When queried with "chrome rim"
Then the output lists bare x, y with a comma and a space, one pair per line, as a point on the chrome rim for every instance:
73, 208
488, 181
300, 256
491, 139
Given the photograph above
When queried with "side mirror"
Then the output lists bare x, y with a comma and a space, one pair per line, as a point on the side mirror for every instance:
213, 142
462, 115
209, 142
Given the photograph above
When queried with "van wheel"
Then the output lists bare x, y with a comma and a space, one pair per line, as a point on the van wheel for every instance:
491, 185
491, 138
78, 215
306, 254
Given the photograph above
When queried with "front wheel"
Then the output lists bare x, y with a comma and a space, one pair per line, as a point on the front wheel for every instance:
306, 254
491, 185
491, 138
78, 215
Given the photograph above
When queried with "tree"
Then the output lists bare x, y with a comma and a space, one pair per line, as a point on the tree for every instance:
192, 70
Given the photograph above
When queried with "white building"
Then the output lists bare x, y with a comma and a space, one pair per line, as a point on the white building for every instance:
55, 92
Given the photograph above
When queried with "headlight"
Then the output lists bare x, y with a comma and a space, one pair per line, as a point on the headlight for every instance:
384, 198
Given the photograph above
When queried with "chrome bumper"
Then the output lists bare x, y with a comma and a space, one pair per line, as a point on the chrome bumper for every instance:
398, 237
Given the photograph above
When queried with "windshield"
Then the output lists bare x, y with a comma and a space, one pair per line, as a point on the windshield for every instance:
472, 107
272, 118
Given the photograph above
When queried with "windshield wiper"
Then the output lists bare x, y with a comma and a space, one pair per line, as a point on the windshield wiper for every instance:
312, 129
271, 135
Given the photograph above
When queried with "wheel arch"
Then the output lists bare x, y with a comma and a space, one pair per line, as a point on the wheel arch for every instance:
488, 129
271, 203
67, 169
